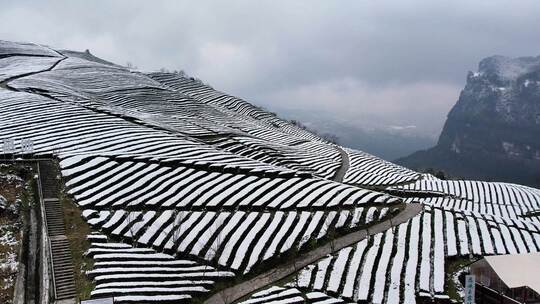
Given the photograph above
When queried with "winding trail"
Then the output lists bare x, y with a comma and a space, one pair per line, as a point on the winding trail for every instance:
345, 164
4, 84
245, 288
55, 257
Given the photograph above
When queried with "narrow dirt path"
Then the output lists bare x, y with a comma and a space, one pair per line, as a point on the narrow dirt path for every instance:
243, 289
5, 83
345, 164
299, 142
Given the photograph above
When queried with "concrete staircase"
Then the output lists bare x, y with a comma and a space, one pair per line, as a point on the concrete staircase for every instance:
62, 266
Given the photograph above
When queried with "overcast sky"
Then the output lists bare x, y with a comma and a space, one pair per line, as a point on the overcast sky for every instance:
400, 63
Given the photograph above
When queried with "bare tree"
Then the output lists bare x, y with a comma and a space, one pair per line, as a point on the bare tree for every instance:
131, 220
331, 138
215, 247
215, 228
177, 227
331, 231
181, 73
392, 224
332, 236
130, 66
218, 241
296, 251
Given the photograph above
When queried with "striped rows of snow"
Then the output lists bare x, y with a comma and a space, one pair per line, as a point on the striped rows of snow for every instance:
366, 169
183, 106
185, 114
137, 148
206, 94
177, 103
116, 91
396, 265
20, 65
141, 275
237, 240
308, 156
70, 128
107, 182
499, 199
82, 79
177, 112
75, 79
279, 295
8, 48
174, 111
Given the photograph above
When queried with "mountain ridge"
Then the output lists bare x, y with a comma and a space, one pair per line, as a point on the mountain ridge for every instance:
493, 130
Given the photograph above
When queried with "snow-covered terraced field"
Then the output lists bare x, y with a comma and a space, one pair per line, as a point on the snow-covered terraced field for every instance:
14, 66
368, 170
276, 294
314, 157
142, 275
107, 182
189, 187
237, 240
413, 255
68, 128
208, 95
498, 199
9, 48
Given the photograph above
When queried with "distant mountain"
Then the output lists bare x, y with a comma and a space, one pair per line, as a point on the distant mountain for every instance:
493, 131
388, 144
385, 141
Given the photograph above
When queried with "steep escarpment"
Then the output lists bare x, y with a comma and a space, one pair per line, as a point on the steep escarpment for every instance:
493, 131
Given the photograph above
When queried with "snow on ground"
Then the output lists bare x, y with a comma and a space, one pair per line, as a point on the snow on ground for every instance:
12, 188
173, 166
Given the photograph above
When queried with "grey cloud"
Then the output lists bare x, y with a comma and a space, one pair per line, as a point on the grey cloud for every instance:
397, 105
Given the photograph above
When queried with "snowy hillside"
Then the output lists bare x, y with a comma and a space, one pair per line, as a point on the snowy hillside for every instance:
190, 190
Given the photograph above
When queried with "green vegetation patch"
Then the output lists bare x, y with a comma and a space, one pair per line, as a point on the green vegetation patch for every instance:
454, 267
16, 196
76, 231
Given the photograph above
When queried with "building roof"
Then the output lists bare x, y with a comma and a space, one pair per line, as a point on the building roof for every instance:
517, 270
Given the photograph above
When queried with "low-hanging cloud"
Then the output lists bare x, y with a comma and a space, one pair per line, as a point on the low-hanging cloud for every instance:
396, 106
399, 62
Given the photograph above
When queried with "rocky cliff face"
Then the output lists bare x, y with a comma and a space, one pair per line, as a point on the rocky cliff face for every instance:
493, 131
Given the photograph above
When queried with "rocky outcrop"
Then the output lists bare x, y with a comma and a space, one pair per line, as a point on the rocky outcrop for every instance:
493, 131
